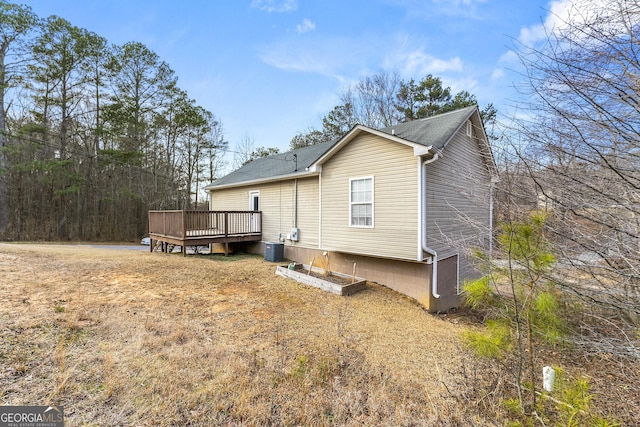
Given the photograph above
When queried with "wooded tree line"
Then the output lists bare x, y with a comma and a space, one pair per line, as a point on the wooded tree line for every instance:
93, 135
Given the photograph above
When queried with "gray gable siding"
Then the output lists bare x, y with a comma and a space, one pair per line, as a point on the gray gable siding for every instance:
458, 189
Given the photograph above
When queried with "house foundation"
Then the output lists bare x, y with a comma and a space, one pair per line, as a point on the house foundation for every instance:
412, 279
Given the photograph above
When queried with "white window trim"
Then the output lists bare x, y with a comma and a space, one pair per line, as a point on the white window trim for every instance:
252, 194
351, 203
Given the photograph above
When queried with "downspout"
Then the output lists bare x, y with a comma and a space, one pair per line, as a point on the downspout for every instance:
295, 196
295, 203
320, 210
423, 211
494, 181
491, 222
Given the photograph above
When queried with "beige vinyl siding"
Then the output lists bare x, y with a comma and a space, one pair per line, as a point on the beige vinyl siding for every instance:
394, 170
229, 200
277, 206
308, 212
458, 201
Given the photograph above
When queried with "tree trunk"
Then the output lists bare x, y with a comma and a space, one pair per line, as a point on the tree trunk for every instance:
4, 186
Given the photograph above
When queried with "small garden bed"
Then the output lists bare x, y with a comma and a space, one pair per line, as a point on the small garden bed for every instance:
337, 283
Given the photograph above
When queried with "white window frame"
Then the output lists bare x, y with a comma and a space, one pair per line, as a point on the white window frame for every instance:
352, 203
254, 219
254, 194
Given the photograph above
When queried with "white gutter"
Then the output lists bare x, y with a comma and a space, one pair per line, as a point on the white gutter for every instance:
423, 219
294, 175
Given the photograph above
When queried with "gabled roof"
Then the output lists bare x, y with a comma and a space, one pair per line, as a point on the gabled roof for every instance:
423, 135
435, 131
277, 165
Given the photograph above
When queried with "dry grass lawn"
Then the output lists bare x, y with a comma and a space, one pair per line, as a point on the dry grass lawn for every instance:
132, 338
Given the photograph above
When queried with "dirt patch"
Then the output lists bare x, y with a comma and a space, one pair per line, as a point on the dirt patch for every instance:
333, 278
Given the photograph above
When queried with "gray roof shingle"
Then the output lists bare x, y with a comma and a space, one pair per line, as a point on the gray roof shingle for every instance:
435, 130
432, 131
275, 165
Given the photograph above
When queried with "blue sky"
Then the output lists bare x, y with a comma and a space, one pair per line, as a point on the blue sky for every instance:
269, 69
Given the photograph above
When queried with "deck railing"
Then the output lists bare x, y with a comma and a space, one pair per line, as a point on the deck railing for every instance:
184, 224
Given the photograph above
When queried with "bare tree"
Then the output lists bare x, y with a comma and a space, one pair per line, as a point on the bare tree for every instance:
215, 150
582, 154
373, 100
242, 153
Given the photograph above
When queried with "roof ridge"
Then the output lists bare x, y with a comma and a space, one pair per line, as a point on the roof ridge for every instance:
428, 133
459, 110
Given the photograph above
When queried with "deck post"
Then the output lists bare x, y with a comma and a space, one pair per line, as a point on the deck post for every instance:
184, 233
226, 234
184, 224
164, 223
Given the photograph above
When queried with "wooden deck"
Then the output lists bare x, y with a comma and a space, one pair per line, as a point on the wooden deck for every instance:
195, 228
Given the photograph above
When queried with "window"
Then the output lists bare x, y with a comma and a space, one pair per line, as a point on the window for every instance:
361, 202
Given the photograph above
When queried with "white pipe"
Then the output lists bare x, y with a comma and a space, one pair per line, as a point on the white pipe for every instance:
548, 378
494, 181
295, 203
458, 274
320, 210
423, 212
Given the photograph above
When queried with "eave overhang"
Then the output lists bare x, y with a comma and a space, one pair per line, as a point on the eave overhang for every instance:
295, 175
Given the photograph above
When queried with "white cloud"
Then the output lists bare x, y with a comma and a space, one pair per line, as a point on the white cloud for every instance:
275, 5
300, 57
558, 14
427, 9
498, 74
328, 56
457, 4
305, 26
468, 83
531, 35
509, 57
562, 13
419, 63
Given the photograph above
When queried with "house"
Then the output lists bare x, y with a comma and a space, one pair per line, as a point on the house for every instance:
404, 203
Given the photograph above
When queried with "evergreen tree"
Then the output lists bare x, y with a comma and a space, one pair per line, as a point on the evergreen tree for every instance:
15, 22
520, 303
